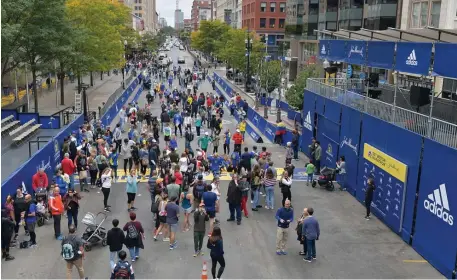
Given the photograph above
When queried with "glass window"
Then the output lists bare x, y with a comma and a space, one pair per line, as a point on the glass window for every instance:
435, 14
282, 7
263, 22
272, 23
272, 7
424, 14
282, 22
263, 6
415, 15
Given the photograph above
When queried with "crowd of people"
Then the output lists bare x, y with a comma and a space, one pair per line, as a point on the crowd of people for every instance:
175, 177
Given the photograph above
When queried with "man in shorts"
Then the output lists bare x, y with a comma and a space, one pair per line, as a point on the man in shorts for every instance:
211, 202
172, 210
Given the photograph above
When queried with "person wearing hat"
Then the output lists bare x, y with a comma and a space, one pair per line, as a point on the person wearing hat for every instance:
204, 142
200, 219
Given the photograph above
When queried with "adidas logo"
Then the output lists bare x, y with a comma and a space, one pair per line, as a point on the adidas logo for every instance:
411, 60
437, 203
323, 51
307, 122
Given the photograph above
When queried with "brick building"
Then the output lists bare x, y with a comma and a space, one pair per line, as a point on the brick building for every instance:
201, 10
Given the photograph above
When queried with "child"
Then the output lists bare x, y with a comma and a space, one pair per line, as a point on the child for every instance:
200, 219
310, 169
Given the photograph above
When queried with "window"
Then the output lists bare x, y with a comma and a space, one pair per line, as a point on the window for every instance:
272, 23
263, 6
272, 7
138, 8
435, 14
282, 22
138, 1
282, 7
263, 22
419, 14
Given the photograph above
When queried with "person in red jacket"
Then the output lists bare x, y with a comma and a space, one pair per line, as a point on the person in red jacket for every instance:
68, 167
237, 139
40, 180
209, 102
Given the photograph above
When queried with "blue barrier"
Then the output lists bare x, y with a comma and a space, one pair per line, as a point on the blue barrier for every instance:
138, 94
309, 107
60, 137
435, 231
7, 113
294, 115
25, 117
50, 122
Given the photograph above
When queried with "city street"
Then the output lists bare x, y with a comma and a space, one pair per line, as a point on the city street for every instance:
349, 246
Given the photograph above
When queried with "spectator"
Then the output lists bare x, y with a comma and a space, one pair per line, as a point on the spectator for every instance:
284, 216
29, 216
71, 203
310, 169
371, 187
200, 219
311, 233
295, 143
341, 171
172, 210
317, 157
173, 189
131, 189
134, 237
82, 166
57, 208
7, 233
269, 181
106, 188
73, 252
234, 199
237, 140
286, 184
215, 244
68, 167
20, 206
40, 180
244, 186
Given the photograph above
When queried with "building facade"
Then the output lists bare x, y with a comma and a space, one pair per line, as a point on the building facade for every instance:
221, 7
162, 23
187, 25
267, 18
179, 19
146, 10
201, 10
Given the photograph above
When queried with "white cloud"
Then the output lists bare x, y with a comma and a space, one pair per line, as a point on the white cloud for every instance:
166, 9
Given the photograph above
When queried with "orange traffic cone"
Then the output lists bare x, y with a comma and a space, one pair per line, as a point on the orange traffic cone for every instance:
204, 272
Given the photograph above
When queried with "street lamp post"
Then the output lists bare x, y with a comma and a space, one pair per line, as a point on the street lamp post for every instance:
248, 44
84, 97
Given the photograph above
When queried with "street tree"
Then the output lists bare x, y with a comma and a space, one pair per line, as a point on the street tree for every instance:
295, 94
209, 36
270, 75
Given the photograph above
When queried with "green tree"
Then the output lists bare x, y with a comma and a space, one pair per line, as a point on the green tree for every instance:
295, 94
209, 36
270, 75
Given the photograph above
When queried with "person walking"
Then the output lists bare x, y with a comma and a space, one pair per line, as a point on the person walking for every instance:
299, 230
317, 156
73, 252
122, 269
311, 233
234, 199
256, 176
269, 182
284, 216
29, 217
134, 237
244, 187
71, 203
211, 203
172, 210
295, 143
106, 188
200, 219
286, 185
131, 189
115, 240
57, 209
162, 219
216, 245
227, 137
126, 152
310, 169
7, 233
186, 198
19, 206
371, 187
173, 189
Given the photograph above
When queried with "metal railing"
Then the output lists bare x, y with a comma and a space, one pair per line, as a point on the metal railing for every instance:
342, 92
113, 97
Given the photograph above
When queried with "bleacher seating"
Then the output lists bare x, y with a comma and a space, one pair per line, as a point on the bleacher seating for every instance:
24, 135
22, 127
9, 123
7, 119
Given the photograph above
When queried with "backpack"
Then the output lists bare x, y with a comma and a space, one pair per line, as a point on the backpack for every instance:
234, 156
199, 190
155, 206
190, 137
69, 249
122, 270
132, 232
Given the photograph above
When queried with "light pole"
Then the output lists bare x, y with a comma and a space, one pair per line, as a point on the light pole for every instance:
85, 109
123, 68
248, 44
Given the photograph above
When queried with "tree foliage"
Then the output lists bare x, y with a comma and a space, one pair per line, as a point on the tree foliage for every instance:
209, 36
295, 94
270, 75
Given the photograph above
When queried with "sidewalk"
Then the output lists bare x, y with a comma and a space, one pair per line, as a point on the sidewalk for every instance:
250, 99
97, 94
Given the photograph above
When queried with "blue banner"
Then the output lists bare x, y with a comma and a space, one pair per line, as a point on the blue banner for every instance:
50, 122
25, 117
270, 131
380, 54
413, 57
337, 50
444, 53
320, 104
300, 174
309, 103
328, 136
436, 208
324, 49
7, 113
356, 52
350, 145
252, 133
332, 110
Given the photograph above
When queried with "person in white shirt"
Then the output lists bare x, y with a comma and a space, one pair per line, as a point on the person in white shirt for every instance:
122, 118
106, 187
187, 121
126, 152
286, 184
117, 134
183, 163
215, 188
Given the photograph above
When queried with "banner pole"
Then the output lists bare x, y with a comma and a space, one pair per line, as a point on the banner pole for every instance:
430, 117
395, 95
367, 79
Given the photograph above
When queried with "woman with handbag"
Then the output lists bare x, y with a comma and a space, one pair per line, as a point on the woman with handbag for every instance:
93, 170
255, 187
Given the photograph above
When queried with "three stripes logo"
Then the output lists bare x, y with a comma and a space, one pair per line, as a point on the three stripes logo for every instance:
323, 50
412, 60
438, 203
307, 122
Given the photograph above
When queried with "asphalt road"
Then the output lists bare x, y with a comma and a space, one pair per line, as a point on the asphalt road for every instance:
349, 247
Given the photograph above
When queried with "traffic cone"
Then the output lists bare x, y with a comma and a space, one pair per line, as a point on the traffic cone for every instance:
204, 272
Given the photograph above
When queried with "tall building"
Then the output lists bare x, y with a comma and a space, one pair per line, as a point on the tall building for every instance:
221, 7
144, 9
201, 10
162, 23
179, 19
187, 25
266, 18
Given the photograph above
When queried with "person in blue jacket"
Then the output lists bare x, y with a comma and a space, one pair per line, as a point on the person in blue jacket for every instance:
216, 245
173, 143
170, 81
216, 163
235, 157
227, 136
178, 120
60, 183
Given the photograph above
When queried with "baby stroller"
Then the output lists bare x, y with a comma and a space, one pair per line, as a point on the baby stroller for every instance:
326, 179
42, 213
94, 233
